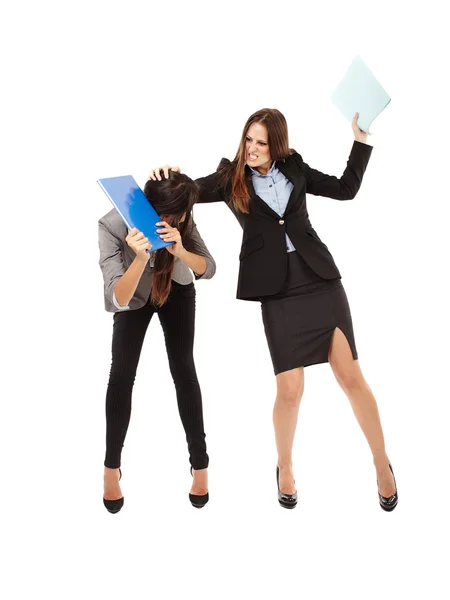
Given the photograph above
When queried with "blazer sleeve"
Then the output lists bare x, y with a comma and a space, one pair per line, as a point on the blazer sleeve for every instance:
198, 246
111, 260
344, 188
208, 189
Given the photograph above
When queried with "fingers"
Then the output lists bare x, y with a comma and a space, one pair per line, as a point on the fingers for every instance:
155, 174
355, 125
356, 128
171, 238
140, 240
134, 235
141, 245
131, 234
169, 234
166, 228
142, 249
144, 245
137, 241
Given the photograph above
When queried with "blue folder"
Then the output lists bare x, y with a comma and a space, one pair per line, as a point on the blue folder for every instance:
133, 206
360, 92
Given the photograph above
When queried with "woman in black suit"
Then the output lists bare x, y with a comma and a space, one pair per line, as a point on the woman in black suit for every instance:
285, 266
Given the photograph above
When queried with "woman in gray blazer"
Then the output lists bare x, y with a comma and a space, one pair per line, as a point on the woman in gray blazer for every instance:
138, 283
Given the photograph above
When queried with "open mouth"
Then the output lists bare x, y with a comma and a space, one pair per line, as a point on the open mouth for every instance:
252, 157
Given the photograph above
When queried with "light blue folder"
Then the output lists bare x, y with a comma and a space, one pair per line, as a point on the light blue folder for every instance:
360, 92
133, 206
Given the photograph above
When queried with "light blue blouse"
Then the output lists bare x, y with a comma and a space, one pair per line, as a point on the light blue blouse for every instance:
275, 189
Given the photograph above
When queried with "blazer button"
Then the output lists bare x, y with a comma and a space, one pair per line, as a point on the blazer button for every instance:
281, 222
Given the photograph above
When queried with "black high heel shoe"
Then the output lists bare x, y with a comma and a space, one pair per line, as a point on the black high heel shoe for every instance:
198, 501
113, 506
286, 500
388, 504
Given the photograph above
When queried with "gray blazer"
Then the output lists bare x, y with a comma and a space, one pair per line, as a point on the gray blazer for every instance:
116, 256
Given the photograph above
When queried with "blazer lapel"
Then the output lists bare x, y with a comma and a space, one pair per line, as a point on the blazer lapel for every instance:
297, 180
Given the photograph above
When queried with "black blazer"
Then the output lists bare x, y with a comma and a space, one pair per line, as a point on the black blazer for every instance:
263, 256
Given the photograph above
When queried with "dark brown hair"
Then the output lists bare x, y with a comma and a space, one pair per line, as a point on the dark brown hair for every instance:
278, 140
171, 198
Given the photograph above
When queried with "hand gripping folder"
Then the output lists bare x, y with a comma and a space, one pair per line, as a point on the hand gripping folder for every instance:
133, 206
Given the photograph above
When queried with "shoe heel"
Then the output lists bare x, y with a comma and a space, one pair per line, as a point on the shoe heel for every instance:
285, 500
388, 504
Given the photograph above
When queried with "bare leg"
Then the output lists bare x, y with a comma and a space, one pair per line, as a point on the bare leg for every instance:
349, 376
290, 385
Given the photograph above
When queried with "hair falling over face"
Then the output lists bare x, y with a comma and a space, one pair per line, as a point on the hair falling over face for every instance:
173, 199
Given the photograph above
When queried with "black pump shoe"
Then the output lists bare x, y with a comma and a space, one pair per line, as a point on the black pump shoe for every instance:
113, 506
388, 504
286, 500
198, 501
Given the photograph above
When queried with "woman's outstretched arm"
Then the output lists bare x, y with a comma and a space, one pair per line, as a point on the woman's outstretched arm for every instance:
345, 187
207, 186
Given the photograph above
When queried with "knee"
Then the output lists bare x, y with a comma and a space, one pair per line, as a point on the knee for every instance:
123, 368
290, 395
183, 370
349, 379
122, 377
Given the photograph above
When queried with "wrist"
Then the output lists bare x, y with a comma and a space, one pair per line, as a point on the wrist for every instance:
182, 254
142, 259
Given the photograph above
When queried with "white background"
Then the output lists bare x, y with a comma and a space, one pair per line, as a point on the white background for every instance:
99, 89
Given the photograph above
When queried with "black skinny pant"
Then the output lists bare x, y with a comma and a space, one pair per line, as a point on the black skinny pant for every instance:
177, 317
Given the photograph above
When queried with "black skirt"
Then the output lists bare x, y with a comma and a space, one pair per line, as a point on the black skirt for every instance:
300, 320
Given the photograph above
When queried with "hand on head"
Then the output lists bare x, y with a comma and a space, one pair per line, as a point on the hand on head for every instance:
155, 174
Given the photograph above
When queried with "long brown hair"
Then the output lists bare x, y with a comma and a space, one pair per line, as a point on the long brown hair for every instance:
171, 198
278, 139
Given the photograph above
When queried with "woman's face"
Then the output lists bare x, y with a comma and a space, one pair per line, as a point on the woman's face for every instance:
257, 151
